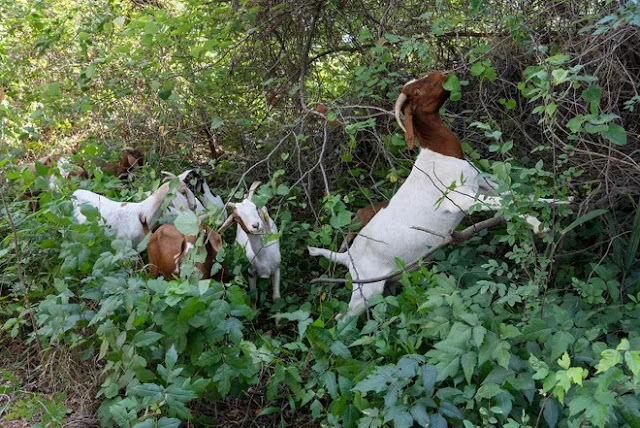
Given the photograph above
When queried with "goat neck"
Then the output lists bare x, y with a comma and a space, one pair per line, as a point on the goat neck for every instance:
434, 135
151, 206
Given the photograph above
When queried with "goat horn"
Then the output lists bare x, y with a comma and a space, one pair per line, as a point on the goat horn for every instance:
226, 223
231, 205
252, 189
168, 174
402, 98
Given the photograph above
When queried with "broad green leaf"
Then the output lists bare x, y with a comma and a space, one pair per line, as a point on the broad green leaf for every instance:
468, 361
632, 358
164, 94
616, 134
146, 338
608, 359
187, 222
342, 219
340, 349
165, 422
488, 390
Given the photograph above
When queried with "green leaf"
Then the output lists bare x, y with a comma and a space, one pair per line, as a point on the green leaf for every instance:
574, 124
165, 422
429, 377
164, 94
584, 218
468, 362
629, 408
146, 338
119, 413
565, 361
477, 69
187, 222
632, 358
608, 359
551, 413
616, 134
223, 378
488, 390
340, 349
342, 219
171, 358
592, 94
216, 122
419, 414
437, 421
271, 410
452, 83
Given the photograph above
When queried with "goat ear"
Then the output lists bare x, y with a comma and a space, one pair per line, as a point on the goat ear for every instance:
226, 223
131, 160
408, 124
216, 240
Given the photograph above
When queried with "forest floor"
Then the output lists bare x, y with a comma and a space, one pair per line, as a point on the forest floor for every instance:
60, 389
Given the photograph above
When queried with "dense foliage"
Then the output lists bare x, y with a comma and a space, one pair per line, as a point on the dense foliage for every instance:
507, 329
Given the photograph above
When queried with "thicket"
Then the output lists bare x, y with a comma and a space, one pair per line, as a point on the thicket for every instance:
508, 329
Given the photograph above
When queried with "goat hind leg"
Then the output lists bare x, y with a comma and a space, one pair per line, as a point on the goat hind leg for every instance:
361, 295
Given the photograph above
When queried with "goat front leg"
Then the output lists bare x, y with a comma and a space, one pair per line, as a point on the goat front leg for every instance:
275, 280
252, 287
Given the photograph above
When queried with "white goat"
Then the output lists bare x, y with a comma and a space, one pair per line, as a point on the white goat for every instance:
253, 223
439, 191
204, 198
126, 217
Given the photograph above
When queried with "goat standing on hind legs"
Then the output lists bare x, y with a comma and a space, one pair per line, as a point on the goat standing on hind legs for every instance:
439, 191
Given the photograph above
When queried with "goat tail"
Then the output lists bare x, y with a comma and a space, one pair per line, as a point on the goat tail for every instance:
340, 258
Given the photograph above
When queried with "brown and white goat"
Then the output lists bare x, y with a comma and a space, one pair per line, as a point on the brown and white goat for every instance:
441, 188
131, 159
167, 248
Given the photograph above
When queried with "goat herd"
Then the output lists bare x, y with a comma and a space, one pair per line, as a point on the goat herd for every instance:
441, 188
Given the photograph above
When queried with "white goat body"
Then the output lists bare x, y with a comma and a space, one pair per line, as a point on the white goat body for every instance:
419, 202
252, 224
441, 188
125, 217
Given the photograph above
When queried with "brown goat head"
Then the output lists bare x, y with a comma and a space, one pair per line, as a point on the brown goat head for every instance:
420, 101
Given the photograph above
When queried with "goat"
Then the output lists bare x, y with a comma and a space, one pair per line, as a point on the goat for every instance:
361, 219
65, 168
439, 191
125, 217
167, 248
130, 160
204, 198
252, 224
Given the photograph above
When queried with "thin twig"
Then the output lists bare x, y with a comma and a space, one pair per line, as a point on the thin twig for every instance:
23, 284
